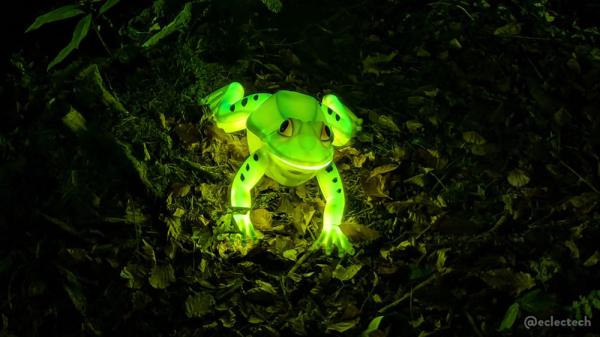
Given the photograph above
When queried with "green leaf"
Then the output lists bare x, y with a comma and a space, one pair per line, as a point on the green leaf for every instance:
134, 274
455, 44
518, 178
419, 180
107, 5
162, 276
273, 5
199, 304
473, 137
535, 301
74, 121
77, 297
180, 20
374, 325
343, 326
80, 32
509, 317
344, 274
55, 15
506, 279
512, 28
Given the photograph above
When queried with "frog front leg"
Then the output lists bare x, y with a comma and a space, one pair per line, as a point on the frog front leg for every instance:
248, 175
344, 123
230, 108
331, 186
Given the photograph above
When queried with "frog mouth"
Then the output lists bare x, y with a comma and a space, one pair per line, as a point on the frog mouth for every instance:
302, 167
297, 172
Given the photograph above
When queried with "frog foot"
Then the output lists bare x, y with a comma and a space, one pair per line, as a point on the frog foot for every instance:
334, 237
246, 228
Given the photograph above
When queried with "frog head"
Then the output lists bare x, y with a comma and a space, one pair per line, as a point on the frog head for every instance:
293, 129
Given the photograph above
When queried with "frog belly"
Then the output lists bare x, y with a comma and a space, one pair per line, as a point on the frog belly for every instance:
282, 175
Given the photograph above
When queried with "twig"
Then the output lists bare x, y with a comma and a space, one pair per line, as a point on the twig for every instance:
536, 70
472, 321
580, 177
464, 10
396, 302
301, 261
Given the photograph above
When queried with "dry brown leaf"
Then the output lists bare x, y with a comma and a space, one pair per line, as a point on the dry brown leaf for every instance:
383, 270
399, 154
398, 206
188, 133
358, 161
279, 244
268, 183
180, 190
358, 233
375, 186
289, 56
448, 224
301, 191
215, 132
239, 148
261, 218
432, 158
285, 205
301, 217
350, 312
345, 152
210, 192
343, 167
387, 122
383, 169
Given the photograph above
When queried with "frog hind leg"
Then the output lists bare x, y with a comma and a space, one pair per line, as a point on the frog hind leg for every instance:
230, 108
344, 123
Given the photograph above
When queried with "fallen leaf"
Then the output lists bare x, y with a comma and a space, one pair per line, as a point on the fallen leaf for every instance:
511, 28
376, 62
289, 56
573, 248
518, 178
592, 260
199, 304
162, 276
388, 123
301, 217
180, 190
506, 279
301, 191
473, 137
188, 133
214, 132
374, 186
383, 169
358, 233
261, 218
344, 274
413, 125
239, 148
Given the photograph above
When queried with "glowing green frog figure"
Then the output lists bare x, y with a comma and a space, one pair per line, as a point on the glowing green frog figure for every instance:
291, 138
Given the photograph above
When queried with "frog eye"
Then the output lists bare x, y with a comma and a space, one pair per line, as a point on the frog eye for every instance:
326, 133
286, 128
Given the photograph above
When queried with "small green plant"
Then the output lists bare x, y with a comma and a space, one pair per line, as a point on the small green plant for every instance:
81, 30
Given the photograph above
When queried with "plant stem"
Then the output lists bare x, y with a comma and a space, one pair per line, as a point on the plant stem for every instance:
100, 37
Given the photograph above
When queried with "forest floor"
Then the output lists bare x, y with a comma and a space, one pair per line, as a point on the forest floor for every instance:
472, 190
